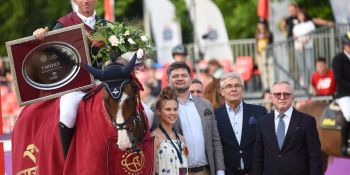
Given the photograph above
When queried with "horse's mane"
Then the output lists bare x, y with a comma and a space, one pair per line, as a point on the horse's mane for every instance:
212, 93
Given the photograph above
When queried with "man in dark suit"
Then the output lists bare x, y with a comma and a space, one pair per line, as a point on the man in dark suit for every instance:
340, 65
236, 122
287, 141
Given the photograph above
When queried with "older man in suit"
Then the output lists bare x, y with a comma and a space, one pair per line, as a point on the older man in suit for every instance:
236, 122
197, 124
287, 141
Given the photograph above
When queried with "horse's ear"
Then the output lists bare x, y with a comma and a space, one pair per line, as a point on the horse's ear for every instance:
98, 73
130, 66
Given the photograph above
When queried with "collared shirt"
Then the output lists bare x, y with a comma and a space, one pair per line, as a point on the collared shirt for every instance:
286, 119
90, 21
193, 132
236, 119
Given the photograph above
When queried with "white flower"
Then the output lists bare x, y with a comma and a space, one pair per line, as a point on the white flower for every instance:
139, 53
127, 33
113, 40
144, 38
131, 41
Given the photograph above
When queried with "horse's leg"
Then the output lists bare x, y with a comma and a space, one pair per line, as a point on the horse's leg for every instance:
325, 160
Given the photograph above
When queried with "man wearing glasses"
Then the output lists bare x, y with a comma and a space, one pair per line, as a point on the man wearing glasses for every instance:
287, 141
236, 122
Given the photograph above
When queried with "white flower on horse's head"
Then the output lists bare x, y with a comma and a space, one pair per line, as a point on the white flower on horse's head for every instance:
127, 33
113, 40
144, 38
139, 53
131, 41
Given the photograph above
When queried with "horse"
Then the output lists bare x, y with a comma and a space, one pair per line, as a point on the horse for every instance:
330, 139
111, 133
212, 93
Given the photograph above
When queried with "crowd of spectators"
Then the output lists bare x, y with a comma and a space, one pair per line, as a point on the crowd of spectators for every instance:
9, 105
206, 72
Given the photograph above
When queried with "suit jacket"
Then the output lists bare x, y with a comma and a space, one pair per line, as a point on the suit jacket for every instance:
211, 135
232, 150
300, 153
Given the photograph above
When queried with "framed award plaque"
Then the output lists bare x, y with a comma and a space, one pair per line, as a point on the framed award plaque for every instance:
49, 68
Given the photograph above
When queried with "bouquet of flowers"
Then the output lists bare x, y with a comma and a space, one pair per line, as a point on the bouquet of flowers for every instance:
113, 40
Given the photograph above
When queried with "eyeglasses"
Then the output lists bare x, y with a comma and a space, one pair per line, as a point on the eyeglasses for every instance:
279, 94
231, 86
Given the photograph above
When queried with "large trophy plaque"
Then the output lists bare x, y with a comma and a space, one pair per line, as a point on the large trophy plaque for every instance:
49, 68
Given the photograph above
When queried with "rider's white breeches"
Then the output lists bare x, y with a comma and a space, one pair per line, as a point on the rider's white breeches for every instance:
69, 104
344, 104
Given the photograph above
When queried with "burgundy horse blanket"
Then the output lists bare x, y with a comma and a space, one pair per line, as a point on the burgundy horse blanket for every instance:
36, 145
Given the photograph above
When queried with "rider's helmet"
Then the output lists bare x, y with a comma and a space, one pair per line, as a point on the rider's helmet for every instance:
180, 49
346, 39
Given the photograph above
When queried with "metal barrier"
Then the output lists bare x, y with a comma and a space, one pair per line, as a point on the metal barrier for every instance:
282, 60
239, 47
286, 61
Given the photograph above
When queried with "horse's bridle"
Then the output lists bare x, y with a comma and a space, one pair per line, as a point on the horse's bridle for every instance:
135, 117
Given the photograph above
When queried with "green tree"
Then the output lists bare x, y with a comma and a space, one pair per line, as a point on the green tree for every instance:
19, 18
317, 8
240, 16
183, 17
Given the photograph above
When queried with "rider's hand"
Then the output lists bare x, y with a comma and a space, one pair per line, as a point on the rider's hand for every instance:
40, 33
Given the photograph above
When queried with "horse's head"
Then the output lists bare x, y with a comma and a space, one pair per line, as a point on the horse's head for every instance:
122, 101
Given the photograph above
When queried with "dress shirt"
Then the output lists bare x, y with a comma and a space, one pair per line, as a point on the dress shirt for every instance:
90, 21
286, 119
193, 132
236, 119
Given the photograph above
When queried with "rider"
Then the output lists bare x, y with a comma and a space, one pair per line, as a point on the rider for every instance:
69, 102
341, 65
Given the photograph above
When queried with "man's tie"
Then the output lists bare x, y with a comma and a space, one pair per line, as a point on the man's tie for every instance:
280, 130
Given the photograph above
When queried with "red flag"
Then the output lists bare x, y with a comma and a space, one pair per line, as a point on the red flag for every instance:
263, 9
109, 10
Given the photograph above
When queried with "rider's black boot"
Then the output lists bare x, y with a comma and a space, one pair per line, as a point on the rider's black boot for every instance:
66, 135
345, 138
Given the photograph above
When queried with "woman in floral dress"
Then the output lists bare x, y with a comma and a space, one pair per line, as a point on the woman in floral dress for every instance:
170, 150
